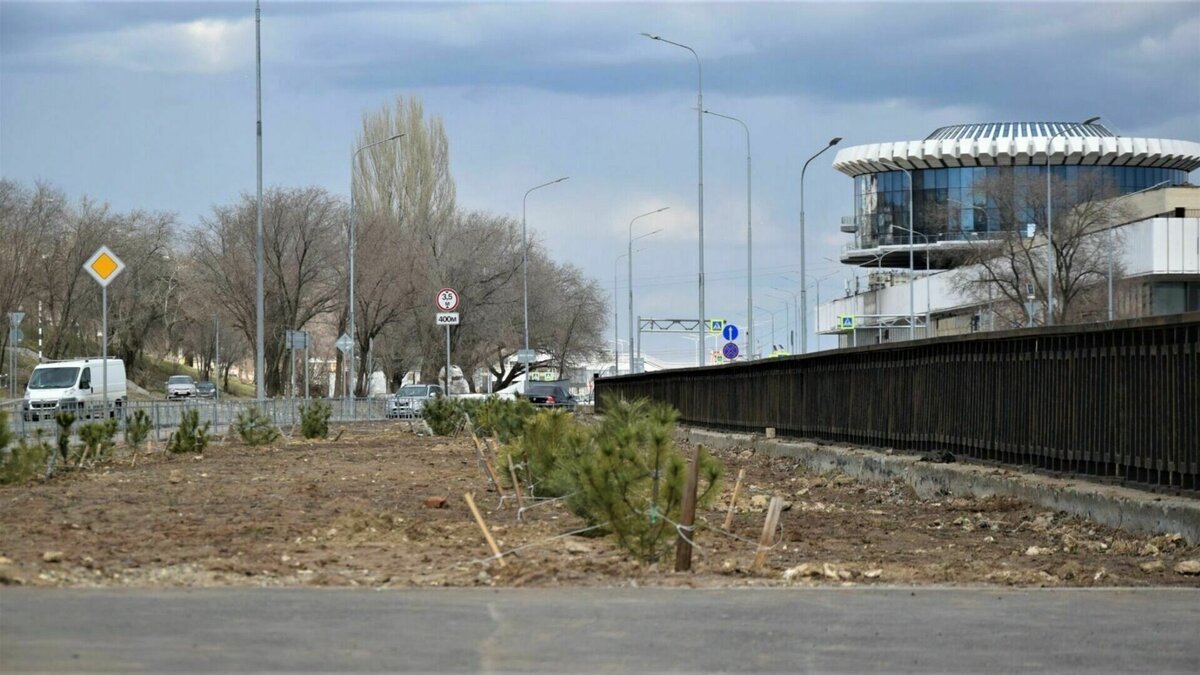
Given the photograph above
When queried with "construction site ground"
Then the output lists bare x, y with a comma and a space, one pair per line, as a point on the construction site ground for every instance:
353, 512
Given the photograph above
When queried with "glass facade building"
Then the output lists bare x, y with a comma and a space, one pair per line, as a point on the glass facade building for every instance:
952, 204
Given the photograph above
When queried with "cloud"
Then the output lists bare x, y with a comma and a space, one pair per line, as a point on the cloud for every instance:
204, 46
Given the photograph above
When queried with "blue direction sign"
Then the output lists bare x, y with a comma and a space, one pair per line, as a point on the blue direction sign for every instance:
730, 350
730, 333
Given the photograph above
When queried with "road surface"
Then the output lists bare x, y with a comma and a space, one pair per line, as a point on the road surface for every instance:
632, 630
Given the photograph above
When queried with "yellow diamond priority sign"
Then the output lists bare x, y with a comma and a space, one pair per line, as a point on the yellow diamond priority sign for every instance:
104, 266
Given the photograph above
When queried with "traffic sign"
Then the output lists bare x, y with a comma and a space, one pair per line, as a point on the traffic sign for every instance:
297, 339
730, 333
15, 318
15, 336
447, 300
730, 350
104, 266
845, 322
525, 356
715, 325
447, 318
344, 343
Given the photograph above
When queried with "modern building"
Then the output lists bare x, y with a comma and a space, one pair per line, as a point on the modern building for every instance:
920, 207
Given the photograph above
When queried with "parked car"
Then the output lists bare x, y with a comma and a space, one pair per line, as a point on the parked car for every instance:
206, 390
410, 399
551, 396
75, 386
181, 386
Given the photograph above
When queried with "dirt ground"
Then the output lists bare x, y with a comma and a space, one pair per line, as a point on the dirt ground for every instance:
352, 512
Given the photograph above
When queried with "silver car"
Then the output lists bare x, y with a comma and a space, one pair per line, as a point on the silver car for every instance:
181, 386
410, 399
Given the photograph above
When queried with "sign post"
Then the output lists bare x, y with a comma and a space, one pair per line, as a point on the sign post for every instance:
344, 345
447, 300
104, 266
14, 338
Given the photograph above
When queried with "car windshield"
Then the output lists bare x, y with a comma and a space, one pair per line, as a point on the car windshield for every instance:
545, 390
412, 391
53, 378
180, 379
206, 385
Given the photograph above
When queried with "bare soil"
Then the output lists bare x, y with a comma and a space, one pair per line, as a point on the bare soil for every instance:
352, 512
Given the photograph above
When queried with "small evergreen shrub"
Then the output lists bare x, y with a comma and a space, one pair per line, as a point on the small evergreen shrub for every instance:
443, 415
504, 418
26, 460
549, 440
137, 429
6, 434
64, 421
97, 439
191, 436
255, 427
314, 419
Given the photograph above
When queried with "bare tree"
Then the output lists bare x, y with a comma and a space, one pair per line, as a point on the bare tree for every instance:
303, 230
26, 222
1008, 269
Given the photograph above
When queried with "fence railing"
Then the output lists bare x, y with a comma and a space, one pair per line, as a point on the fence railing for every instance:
165, 415
1120, 399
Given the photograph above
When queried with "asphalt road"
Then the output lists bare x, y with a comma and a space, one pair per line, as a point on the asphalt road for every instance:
623, 630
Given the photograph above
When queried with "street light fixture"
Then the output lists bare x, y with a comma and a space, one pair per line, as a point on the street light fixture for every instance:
629, 276
700, 184
1050, 222
803, 255
912, 263
749, 242
525, 273
353, 244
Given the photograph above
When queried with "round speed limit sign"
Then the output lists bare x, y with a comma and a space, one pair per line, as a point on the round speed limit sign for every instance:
447, 300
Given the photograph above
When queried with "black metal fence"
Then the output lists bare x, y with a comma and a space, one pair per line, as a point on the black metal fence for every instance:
1119, 399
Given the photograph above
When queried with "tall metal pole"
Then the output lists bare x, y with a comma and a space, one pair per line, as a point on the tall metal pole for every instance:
1050, 256
260, 374
353, 237
616, 315
803, 253
217, 350
104, 346
700, 328
525, 274
447, 389
749, 243
629, 254
912, 264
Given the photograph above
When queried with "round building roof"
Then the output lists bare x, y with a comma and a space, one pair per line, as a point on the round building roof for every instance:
1018, 143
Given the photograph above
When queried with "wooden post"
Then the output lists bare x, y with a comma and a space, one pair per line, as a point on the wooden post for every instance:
683, 547
764, 542
512, 471
483, 526
487, 466
737, 488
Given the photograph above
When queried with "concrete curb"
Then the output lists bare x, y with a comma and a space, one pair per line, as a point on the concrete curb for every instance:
1114, 506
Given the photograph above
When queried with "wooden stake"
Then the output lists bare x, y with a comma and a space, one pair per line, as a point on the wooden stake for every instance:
512, 471
683, 547
737, 488
483, 526
764, 542
487, 466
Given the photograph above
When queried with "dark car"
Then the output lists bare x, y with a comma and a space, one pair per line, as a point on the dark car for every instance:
550, 396
206, 390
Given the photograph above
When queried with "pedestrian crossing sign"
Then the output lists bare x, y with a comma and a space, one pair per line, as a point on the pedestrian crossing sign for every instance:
845, 322
715, 325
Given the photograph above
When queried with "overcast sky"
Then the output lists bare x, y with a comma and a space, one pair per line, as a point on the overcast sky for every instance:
151, 105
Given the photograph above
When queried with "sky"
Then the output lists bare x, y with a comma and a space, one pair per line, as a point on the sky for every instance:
151, 105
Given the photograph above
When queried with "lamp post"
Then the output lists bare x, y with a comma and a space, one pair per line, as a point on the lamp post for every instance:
912, 263
791, 324
1049, 220
803, 254
925, 237
616, 343
353, 237
772, 313
629, 276
700, 184
260, 375
525, 272
749, 242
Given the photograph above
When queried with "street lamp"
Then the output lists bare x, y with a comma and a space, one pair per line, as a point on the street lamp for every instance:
700, 131
772, 313
788, 314
803, 293
525, 274
630, 276
1050, 221
749, 242
924, 236
353, 237
912, 263
616, 342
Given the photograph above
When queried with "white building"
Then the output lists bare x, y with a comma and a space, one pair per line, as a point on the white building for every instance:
937, 180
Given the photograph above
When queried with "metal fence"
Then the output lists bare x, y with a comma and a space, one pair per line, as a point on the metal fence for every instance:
165, 415
1120, 399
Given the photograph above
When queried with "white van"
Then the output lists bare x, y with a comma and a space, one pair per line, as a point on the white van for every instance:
75, 386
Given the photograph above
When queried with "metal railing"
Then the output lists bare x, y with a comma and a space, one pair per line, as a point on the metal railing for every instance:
165, 415
1119, 399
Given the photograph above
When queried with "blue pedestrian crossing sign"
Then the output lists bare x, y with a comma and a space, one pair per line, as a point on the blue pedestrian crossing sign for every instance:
715, 325
730, 332
845, 322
